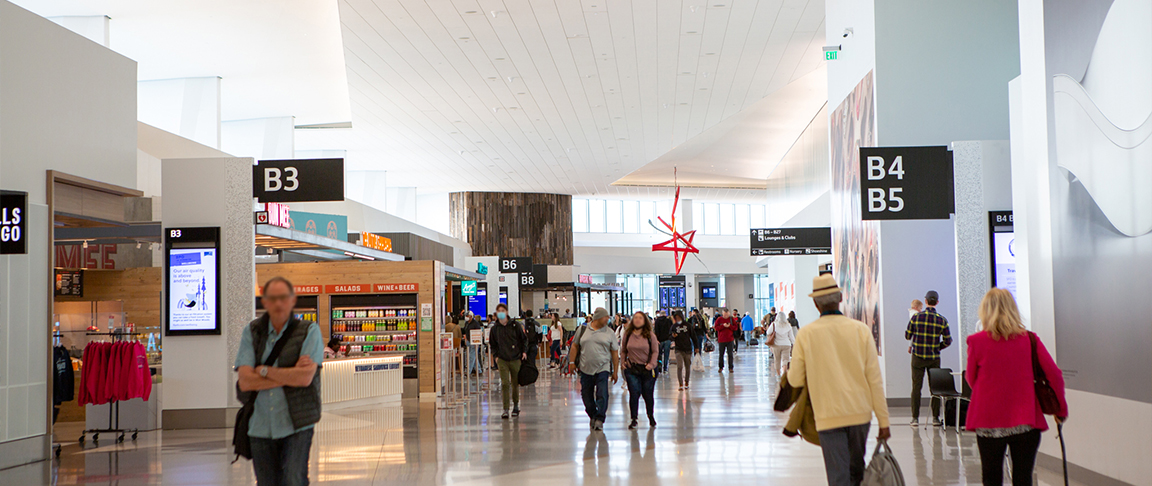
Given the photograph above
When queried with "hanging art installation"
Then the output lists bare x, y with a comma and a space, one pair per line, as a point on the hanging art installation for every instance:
681, 243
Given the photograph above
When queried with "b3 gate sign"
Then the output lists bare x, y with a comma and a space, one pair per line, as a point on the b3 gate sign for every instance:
298, 180
906, 183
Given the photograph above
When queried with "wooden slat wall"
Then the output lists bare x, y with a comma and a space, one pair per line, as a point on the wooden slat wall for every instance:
138, 288
514, 224
333, 273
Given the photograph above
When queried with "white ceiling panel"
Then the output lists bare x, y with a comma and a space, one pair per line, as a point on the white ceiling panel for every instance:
558, 96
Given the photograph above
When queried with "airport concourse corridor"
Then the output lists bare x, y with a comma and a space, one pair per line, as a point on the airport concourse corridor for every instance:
721, 431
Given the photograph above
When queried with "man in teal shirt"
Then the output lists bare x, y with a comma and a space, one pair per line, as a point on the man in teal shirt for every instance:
287, 404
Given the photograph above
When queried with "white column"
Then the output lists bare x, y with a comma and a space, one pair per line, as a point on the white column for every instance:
198, 376
189, 107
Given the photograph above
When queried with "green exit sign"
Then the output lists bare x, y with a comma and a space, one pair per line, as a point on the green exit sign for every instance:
830, 55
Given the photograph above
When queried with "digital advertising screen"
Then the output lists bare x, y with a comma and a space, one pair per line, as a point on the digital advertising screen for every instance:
1004, 249
708, 292
192, 281
478, 304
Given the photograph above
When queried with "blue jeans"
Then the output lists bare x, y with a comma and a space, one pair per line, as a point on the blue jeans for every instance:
697, 343
641, 384
665, 349
282, 462
594, 391
730, 348
472, 358
844, 450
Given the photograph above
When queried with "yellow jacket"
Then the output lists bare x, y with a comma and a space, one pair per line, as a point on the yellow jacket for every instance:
835, 360
802, 421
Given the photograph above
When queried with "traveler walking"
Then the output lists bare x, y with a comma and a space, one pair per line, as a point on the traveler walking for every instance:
737, 335
472, 323
641, 366
286, 387
792, 321
535, 336
781, 344
1005, 411
726, 329
835, 358
747, 325
928, 332
509, 342
682, 336
596, 355
664, 335
555, 340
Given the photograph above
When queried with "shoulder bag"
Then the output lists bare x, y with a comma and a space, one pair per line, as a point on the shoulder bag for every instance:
241, 443
1049, 401
574, 347
771, 339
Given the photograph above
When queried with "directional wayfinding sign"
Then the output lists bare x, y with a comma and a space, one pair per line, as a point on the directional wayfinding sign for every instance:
468, 288
906, 183
515, 264
791, 241
298, 180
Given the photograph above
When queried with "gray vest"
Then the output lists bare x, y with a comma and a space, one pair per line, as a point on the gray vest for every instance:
303, 402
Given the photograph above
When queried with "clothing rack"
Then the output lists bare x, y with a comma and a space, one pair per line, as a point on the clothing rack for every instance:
113, 406
57, 341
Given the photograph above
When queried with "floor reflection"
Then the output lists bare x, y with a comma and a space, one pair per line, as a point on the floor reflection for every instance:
721, 430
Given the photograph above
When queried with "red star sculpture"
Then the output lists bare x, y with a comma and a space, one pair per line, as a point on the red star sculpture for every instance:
679, 253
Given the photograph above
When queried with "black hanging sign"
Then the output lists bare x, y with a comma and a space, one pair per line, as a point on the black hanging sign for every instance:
515, 265
70, 283
536, 278
906, 183
791, 241
299, 180
13, 223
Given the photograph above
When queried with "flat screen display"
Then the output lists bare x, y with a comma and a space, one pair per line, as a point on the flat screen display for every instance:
478, 304
1004, 259
708, 292
192, 289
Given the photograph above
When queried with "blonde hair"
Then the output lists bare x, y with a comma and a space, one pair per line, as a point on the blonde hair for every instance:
916, 304
1000, 316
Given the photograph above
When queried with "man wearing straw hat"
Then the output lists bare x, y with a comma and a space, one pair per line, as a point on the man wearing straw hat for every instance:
835, 357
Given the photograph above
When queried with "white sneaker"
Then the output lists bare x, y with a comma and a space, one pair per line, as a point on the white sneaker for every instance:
914, 423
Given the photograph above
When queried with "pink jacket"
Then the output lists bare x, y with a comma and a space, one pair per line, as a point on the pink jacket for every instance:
1000, 373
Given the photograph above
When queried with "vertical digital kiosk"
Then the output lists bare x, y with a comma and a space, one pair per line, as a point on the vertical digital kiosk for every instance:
191, 281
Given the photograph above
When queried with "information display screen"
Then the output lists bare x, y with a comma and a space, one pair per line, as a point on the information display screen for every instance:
791, 241
192, 281
708, 292
478, 304
1003, 246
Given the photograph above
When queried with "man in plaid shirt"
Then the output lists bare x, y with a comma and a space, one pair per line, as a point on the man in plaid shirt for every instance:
928, 332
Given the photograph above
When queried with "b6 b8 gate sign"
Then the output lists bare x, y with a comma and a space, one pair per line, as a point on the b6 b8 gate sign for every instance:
906, 183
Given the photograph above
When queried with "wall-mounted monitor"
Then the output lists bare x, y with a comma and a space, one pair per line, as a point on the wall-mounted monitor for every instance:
1003, 250
708, 292
478, 304
191, 281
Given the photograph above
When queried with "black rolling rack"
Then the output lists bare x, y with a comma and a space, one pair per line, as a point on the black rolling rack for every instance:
113, 406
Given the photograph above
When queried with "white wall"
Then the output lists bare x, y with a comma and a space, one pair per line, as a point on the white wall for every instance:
269, 138
198, 369
859, 49
495, 280
189, 107
645, 261
69, 104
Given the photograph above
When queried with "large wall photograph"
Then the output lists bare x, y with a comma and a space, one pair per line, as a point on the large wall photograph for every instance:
855, 242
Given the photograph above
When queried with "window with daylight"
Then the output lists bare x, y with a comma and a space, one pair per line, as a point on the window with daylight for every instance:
580, 215
727, 219
615, 216
631, 217
596, 215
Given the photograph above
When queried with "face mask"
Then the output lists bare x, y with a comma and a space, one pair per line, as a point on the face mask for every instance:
501, 316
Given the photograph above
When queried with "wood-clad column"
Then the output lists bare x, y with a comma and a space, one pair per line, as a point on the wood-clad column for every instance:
514, 224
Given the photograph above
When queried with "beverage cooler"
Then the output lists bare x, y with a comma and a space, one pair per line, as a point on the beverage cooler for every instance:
377, 325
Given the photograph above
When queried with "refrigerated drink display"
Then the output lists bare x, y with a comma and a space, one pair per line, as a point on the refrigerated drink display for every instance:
377, 331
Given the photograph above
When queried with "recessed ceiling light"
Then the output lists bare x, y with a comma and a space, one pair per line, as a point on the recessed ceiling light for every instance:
491, 78
709, 53
690, 32
499, 58
463, 38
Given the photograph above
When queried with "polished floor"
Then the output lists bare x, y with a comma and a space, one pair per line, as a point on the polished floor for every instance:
722, 431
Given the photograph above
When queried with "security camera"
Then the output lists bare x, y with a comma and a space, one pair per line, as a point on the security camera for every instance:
847, 32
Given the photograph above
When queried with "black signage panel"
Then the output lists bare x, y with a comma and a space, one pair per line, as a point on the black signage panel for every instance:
791, 241
906, 183
515, 265
70, 283
13, 223
672, 280
192, 281
537, 278
300, 180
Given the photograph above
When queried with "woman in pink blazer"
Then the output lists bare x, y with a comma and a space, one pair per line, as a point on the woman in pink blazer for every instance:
1004, 411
